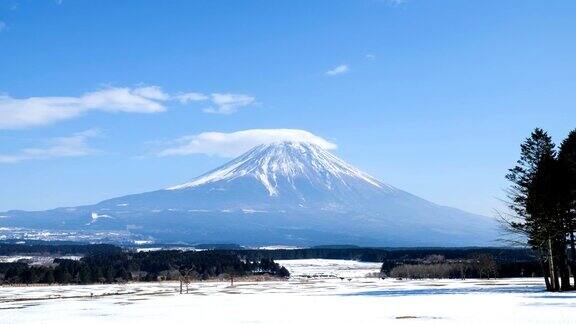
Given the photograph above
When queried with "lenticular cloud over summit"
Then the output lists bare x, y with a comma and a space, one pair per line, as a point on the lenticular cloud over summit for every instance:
236, 143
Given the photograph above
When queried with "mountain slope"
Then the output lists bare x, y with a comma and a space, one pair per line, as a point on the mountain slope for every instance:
277, 176
280, 193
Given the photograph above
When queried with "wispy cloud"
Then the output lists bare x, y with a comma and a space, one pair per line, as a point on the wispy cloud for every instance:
72, 146
370, 56
236, 143
218, 103
36, 111
191, 97
340, 69
14, 5
228, 103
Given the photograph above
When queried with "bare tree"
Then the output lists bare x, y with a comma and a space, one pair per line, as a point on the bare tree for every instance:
486, 265
186, 276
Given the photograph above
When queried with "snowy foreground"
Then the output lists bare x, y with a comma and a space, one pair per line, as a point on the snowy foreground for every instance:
315, 294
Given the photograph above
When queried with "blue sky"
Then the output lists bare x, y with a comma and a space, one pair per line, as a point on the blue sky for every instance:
432, 97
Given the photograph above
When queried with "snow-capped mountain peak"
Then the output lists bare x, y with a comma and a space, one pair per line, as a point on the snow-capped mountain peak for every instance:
281, 163
280, 193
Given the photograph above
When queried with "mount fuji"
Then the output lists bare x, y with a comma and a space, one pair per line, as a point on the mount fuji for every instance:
290, 193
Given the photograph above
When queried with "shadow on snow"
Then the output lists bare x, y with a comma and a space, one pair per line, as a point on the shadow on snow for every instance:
456, 291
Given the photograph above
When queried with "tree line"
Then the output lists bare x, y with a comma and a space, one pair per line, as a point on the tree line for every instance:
417, 263
390, 255
483, 265
109, 267
107, 263
542, 201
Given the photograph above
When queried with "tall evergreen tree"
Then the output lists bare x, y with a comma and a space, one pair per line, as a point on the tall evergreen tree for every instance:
536, 148
546, 209
567, 159
539, 198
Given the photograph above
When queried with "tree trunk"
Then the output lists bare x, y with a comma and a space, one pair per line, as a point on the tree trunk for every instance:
546, 278
543, 268
552, 269
563, 267
565, 279
573, 256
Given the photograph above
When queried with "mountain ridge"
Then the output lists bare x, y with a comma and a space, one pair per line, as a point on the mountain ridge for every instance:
278, 193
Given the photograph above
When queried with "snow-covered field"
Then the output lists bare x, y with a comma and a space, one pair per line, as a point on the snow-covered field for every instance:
315, 294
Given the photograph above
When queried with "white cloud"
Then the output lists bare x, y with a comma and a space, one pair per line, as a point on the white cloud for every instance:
36, 111
185, 98
340, 69
370, 56
71, 146
220, 103
2, 25
228, 103
152, 92
236, 143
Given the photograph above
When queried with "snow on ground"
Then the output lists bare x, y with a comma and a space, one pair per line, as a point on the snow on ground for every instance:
302, 299
323, 268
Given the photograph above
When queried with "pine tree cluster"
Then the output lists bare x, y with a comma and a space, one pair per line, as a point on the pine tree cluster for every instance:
109, 267
542, 199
